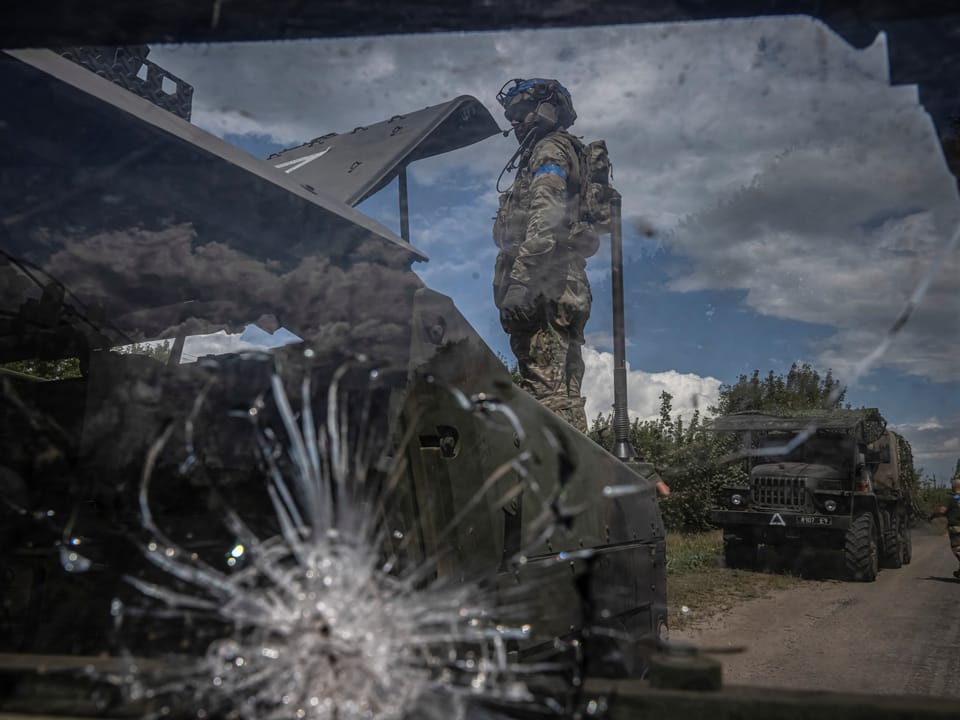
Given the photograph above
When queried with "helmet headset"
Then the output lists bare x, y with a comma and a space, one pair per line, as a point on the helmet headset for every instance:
548, 101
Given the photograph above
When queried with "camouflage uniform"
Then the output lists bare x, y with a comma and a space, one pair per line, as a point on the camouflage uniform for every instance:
532, 230
953, 524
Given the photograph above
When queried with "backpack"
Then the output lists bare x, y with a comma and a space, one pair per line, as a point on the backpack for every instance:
596, 192
591, 186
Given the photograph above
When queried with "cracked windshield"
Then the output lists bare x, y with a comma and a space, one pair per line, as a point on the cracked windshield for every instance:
524, 373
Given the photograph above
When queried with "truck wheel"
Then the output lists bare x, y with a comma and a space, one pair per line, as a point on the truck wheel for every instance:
892, 549
906, 544
739, 555
860, 556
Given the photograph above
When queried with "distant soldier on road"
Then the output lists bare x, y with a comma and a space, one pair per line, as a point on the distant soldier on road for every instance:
540, 282
952, 512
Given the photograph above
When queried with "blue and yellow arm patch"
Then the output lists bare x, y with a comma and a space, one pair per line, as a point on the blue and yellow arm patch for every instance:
551, 169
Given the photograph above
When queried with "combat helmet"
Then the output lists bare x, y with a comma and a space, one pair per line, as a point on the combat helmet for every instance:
547, 99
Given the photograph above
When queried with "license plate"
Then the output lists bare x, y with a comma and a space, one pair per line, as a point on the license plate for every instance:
815, 520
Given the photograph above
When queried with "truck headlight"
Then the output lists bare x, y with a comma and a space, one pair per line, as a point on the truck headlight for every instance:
830, 505
736, 500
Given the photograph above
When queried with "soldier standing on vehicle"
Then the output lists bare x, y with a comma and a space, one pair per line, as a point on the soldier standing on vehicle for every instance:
952, 513
540, 283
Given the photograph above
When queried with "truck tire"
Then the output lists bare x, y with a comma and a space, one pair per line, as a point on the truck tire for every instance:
860, 556
906, 544
739, 555
892, 554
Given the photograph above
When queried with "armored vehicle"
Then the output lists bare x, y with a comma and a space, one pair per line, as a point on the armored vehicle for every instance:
159, 283
837, 480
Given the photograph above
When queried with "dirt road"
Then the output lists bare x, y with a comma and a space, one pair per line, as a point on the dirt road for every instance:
900, 634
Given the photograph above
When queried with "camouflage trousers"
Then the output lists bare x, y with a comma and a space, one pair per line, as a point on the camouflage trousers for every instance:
548, 351
954, 533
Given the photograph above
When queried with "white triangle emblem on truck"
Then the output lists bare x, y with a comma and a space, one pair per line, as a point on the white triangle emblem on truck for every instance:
777, 520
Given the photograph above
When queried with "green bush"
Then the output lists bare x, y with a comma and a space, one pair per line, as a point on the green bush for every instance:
927, 498
693, 462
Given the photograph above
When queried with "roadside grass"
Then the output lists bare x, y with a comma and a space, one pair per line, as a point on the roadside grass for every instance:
694, 551
697, 580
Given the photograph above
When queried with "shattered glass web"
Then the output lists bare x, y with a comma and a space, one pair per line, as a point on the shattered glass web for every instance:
317, 624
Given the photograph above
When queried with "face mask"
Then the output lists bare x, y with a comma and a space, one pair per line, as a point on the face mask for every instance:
523, 129
541, 118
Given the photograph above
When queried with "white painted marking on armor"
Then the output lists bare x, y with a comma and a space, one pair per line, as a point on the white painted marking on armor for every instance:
292, 165
777, 520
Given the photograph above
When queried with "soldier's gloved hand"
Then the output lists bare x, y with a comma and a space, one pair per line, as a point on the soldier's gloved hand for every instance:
516, 304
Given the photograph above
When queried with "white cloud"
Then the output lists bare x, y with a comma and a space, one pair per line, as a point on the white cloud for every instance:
935, 442
921, 425
252, 339
690, 392
774, 156
689, 110
818, 238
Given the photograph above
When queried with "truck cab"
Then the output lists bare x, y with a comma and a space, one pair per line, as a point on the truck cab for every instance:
827, 481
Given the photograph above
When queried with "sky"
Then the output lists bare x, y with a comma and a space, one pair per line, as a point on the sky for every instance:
783, 202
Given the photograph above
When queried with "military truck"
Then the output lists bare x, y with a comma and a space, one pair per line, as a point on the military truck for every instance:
836, 480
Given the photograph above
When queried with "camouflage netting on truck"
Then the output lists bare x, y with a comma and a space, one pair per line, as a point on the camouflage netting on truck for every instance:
896, 476
909, 477
871, 423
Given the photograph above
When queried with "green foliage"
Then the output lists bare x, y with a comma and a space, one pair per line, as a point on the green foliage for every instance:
693, 462
47, 369
801, 389
928, 497
512, 367
158, 350
687, 552
67, 368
